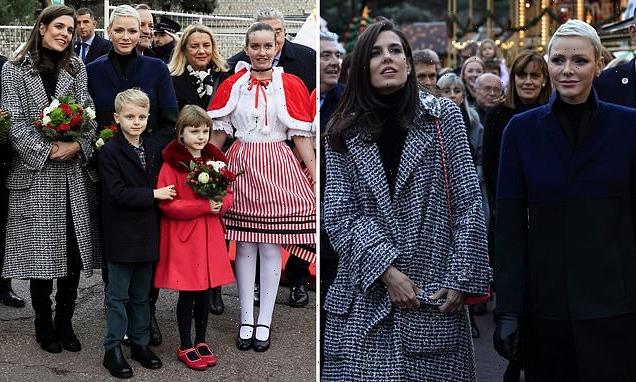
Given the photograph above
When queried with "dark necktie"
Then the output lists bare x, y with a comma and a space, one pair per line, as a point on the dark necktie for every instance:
84, 51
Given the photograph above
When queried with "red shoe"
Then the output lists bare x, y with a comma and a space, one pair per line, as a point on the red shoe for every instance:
194, 361
206, 353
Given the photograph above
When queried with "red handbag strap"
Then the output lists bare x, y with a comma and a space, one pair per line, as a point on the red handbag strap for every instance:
438, 133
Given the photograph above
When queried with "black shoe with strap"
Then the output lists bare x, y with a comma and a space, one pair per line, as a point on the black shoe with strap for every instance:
245, 343
262, 345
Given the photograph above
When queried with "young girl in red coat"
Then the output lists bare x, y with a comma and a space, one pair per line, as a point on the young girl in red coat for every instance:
192, 254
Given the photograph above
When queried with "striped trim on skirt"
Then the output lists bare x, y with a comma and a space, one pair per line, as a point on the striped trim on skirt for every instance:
273, 199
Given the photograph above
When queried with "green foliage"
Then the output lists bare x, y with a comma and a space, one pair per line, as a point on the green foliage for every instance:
16, 12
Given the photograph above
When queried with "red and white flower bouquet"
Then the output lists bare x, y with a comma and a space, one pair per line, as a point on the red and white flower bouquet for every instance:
210, 179
64, 120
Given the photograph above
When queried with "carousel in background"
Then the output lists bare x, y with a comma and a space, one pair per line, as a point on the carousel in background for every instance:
532, 22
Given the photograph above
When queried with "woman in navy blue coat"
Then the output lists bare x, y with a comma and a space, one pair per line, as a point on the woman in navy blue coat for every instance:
565, 249
122, 68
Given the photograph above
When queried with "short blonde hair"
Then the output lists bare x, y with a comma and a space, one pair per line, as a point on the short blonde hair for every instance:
123, 11
134, 96
179, 60
191, 115
578, 28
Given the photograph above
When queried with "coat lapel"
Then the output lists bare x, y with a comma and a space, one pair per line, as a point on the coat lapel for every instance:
366, 157
36, 90
417, 142
64, 84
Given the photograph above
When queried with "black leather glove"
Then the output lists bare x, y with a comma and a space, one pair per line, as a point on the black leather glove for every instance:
506, 336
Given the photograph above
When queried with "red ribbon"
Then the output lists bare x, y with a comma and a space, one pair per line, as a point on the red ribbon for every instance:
261, 85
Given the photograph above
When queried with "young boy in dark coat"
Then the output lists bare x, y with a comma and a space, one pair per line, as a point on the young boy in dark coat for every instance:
129, 166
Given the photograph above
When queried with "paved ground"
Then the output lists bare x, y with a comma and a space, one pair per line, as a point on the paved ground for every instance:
290, 358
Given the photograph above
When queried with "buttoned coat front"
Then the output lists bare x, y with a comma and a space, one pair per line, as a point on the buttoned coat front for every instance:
39, 188
366, 337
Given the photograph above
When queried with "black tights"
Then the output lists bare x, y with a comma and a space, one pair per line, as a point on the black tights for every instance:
188, 303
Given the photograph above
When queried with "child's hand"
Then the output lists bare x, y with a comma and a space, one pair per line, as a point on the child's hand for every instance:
165, 193
215, 207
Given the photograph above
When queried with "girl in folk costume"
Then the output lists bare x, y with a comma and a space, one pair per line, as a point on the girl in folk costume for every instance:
273, 200
192, 254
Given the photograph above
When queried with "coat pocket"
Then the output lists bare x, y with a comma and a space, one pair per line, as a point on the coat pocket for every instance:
185, 230
427, 330
335, 343
19, 180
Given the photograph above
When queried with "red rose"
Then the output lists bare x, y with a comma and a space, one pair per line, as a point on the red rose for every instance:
76, 120
66, 109
37, 123
63, 127
114, 128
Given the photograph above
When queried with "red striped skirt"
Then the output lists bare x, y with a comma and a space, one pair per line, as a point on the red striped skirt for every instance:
273, 199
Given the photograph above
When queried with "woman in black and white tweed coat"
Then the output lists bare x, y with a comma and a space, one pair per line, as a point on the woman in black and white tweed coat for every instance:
52, 228
395, 310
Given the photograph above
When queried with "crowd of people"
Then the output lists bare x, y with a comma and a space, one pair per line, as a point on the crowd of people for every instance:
122, 202
492, 179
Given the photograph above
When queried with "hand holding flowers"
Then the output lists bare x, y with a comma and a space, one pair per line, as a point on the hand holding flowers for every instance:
210, 180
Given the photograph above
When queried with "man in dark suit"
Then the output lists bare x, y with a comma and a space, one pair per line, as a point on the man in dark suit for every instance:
89, 46
618, 85
300, 61
7, 296
295, 59
146, 30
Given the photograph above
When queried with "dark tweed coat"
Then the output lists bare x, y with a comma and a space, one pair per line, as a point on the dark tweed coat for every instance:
366, 338
38, 187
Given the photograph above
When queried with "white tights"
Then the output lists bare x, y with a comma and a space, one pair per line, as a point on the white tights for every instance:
270, 276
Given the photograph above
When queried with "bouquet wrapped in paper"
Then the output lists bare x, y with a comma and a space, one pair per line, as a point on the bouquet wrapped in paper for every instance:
64, 120
210, 179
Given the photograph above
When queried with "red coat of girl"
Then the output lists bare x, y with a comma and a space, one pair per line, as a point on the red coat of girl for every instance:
192, 251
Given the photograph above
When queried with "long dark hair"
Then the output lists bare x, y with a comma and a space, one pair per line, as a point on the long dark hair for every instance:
33, 46
358, 111
518, 65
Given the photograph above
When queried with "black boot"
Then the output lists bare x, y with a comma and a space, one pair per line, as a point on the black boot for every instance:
64, 309
116, 364
145, 356
216, 301
41, 300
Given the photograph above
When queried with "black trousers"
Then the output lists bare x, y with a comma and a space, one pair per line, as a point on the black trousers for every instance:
297, 271
580, 351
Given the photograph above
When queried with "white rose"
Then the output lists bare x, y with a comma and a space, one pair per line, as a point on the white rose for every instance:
46, 119
90, 112
217, 165
100, 142
203, 178
54, 104
209, 163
